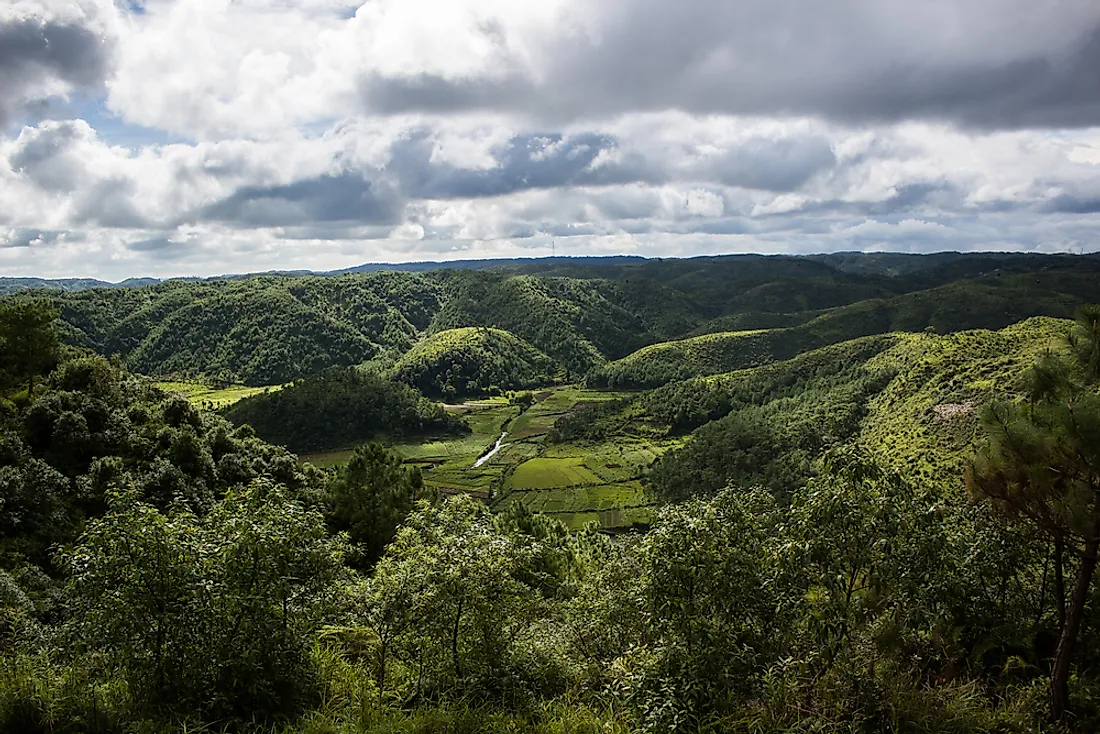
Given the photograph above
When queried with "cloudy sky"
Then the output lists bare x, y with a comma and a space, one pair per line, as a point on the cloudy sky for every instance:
196, 137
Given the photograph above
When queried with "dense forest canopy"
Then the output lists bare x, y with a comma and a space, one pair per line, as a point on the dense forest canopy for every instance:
473, 361
580, 312
339, 407
875, 503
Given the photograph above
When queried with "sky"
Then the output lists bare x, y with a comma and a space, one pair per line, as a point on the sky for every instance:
198, 137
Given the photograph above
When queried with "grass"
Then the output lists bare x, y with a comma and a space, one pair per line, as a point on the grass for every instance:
444, 449
328, 459
545, 473
904, 423
579, 484
214, 398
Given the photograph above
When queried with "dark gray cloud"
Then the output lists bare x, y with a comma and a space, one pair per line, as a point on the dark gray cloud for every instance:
991, 64
30, 237
43, 155
344, 197
35, 53
529, 161
770, 164
1070, 204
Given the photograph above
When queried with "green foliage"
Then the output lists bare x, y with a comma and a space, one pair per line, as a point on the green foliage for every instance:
92, 426
708, 602
210, 614
451, 599
341, 407
369, 497
1041, 464
472, 361
29, 339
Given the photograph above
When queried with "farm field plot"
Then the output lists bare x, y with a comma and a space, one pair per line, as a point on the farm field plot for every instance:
472, 445
610, 506
488, 419
578, 483
211, 397
580, 499
535, 422
542, 473
564, 398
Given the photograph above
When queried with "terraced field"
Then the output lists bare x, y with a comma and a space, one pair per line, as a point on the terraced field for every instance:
213, 398
579, 484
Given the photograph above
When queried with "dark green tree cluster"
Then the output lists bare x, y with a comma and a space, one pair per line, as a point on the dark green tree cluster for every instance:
369, 497
29, 341
341, 407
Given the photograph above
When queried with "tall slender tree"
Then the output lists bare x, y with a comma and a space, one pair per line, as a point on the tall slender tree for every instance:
29, 338
1042, 464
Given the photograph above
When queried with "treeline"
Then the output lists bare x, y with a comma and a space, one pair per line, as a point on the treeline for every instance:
341, 407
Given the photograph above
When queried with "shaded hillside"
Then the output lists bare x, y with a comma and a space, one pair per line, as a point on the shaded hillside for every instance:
254, 331
991, 302
341, 407
580, 323
472, 361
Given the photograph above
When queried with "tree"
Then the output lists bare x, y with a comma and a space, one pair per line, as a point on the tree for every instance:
709, 603
29, 339
454, 592
1042, 464
370, 497
213, 614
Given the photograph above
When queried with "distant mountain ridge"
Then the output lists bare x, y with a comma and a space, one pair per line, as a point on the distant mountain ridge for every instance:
887, 264
14, 285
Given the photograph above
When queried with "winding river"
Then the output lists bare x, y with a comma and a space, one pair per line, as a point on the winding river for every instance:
491, 451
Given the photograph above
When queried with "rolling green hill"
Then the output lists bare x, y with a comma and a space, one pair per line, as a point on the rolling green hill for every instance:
581, 313
911, 398
660, 364
989, 302
472, 361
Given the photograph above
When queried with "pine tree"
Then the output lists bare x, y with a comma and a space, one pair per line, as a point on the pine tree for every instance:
1042, 465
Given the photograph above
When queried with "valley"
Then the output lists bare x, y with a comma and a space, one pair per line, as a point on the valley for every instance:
555, 492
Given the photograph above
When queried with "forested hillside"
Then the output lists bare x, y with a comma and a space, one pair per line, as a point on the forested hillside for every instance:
912, 399
271, 329
473, 361
876, 515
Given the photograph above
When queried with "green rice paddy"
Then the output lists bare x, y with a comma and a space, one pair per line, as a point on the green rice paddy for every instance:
578, 484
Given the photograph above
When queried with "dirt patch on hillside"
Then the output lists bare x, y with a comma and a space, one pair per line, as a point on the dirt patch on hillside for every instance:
949, 411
